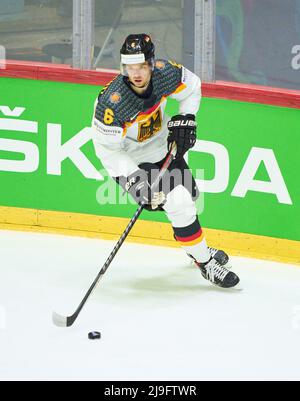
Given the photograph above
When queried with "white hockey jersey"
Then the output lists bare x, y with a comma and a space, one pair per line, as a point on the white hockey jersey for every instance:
128, 129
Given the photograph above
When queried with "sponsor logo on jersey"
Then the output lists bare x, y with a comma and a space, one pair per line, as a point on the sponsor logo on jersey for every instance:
150, 127
160, 65
105, 130
115, 97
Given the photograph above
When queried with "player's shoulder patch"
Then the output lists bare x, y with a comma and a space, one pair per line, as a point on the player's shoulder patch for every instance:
115, 97
160, 64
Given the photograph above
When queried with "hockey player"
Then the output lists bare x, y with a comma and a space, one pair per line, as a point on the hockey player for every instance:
132, 137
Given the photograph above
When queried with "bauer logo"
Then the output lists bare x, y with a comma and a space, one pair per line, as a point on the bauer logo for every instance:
2, 58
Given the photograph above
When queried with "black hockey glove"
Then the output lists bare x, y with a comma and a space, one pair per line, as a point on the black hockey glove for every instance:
182, 131
139, 188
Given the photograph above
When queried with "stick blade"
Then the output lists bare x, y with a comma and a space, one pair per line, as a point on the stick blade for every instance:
59, 321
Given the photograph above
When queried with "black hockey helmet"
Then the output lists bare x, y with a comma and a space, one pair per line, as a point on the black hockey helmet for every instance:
136, 49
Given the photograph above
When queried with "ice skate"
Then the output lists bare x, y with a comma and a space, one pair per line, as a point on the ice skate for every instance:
218, 274
220, 256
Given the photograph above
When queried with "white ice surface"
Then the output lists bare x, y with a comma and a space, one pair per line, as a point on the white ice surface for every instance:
158, 317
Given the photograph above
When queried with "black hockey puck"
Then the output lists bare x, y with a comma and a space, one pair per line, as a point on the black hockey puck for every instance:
94, 335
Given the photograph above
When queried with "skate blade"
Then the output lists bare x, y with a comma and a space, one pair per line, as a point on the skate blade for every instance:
237, 288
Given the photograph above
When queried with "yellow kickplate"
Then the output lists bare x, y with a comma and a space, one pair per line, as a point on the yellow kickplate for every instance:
145, 232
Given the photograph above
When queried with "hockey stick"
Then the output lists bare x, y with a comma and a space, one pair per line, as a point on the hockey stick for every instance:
62, 321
